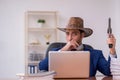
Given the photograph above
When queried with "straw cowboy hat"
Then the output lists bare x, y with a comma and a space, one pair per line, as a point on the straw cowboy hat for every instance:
77, 23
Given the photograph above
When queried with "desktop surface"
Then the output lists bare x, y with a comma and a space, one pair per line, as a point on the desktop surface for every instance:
92, 78
50, 77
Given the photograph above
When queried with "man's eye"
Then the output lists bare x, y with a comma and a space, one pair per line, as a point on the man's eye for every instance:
67, 33
74, 33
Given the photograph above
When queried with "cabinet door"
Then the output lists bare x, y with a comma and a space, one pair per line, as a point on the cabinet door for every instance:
38, 37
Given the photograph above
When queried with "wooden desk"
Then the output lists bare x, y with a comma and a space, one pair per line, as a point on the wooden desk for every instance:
92, 78
24, 77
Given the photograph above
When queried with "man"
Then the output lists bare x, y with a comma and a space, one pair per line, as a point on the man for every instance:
75, 32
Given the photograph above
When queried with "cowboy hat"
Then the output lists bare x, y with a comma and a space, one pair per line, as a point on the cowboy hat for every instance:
77, 23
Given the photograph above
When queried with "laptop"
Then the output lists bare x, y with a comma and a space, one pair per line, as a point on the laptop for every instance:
70, 64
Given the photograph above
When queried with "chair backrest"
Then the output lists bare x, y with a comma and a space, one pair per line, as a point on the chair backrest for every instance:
54, 45
59, 45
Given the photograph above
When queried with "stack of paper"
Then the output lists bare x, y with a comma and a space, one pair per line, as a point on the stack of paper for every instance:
44, 73
49, 75
115, 68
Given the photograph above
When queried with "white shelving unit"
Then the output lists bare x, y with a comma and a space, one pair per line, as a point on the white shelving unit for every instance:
37, 38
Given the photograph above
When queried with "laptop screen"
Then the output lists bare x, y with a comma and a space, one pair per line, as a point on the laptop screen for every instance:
70, 64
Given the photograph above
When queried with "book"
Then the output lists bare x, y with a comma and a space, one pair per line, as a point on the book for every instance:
43, 73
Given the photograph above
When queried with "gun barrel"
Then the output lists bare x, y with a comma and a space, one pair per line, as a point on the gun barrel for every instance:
109, 30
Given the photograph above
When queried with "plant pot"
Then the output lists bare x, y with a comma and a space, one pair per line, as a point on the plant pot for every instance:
40, 25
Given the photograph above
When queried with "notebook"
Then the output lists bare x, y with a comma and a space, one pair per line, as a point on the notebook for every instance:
70, 64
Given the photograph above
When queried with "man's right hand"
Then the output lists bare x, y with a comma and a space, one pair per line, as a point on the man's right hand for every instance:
70, 45
112, 40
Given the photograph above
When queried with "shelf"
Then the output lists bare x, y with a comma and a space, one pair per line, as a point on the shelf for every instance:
35, 45
41, 29
41, 13
33, 62
37, 37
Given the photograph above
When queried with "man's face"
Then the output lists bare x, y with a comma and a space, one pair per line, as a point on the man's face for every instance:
74, 34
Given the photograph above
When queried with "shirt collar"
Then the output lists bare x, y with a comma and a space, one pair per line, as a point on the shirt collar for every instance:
80, 48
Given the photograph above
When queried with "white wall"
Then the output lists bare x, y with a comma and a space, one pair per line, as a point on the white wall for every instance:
94, 12
117, 24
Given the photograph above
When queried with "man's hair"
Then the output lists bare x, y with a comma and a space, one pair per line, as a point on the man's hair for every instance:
81, 31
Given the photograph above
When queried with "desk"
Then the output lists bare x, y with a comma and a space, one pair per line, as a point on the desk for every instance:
26, 77
92, 78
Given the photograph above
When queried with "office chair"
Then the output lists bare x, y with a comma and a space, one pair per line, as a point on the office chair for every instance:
60, 44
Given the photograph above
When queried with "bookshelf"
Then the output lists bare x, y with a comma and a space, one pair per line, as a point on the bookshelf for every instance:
38, 37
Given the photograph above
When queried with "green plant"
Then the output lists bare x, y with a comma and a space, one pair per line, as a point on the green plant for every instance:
41, 21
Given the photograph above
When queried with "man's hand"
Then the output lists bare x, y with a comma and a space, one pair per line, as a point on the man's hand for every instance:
111, 40
70, 45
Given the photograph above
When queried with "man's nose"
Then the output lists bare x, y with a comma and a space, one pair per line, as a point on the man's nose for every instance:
70, 37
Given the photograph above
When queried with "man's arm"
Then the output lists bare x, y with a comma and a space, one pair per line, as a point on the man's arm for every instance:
104, 65
43, 65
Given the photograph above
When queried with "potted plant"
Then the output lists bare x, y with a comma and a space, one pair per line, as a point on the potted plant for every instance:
41, 22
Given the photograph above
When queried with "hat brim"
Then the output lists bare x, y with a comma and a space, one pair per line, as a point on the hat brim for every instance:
87, 31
